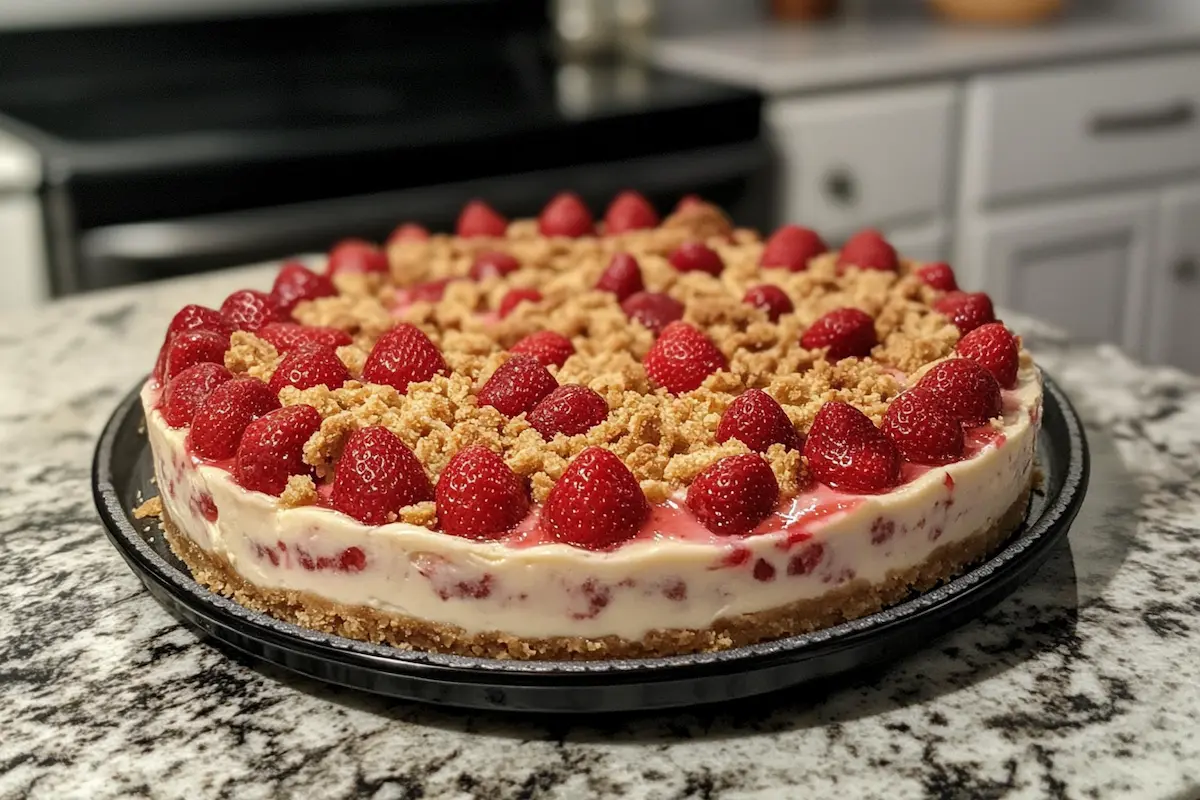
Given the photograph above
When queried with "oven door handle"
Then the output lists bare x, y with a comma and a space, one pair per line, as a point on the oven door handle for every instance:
231, 238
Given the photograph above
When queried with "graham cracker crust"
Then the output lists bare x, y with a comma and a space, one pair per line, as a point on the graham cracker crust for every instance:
851, 601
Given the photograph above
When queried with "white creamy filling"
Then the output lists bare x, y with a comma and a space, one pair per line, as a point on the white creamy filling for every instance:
558, 590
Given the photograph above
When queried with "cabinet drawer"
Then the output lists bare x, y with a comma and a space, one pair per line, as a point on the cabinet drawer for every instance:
1073, 127
865, 158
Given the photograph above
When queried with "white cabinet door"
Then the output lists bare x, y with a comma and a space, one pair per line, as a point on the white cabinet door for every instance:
1081, 265
1173, 311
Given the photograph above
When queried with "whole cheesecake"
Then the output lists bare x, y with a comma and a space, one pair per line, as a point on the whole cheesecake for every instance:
558, 439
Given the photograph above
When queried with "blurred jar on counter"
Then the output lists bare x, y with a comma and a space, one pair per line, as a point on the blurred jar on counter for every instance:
599, 28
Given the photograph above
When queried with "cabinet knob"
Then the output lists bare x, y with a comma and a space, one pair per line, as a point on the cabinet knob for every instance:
841, 187
1186, 270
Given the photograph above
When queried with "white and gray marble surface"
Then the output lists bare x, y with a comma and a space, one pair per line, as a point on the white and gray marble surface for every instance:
1085, 683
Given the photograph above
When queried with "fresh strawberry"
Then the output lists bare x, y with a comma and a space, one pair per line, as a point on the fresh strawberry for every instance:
596, 504
757, 421
286, 336
846, 451
308, 366
190, 318
515, 297
792, 247
867, 249
565, 215
682, 357
193, 347
622, 277
356, 255
187, 390
480, 219
408, 232
223, 416
548, 347
478, 496
249, 310
993, 348
967, 391
516, 386
967, 310
939, 276
570, 409
846, 332
272, 449
922, 430
733, 495
429, 291
629, 211
689, 201
377, 476
771, 299
652, 309
493, 264
402, 356
296, 282
696, 257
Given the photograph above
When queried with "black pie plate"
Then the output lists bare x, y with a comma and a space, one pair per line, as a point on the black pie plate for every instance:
121, 474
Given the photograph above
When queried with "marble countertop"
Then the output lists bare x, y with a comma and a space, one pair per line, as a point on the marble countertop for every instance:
1084, 683
785, 59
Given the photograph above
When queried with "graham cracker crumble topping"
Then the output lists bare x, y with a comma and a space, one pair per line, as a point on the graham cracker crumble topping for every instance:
300, 491
665, 440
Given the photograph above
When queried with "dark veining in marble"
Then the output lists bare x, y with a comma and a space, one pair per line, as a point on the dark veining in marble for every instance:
1082, 684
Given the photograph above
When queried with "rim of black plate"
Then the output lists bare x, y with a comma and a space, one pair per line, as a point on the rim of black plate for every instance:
1060, 507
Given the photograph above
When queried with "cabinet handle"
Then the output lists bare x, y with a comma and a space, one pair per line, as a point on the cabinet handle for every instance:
1186, 270
1176, 115
841, 186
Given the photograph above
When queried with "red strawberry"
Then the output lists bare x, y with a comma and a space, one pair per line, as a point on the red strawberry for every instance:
187, 390
845, 331
517, 386
289, 335
622, 277
402, 356
565, 215
409, 232
480, 219
223, 416
682, 357
771, 299
377, 476
547, 347
429, 291
296, 282
356, 255
994, 348
792, 247
478, 496
696, 257
967, 310
308, 366
596, 504
190, 318
194, 347
570, 409
272, 449
249, 310
921, 428
493, 264
938, 276
733, 495
629, 211
515, 297
652, 309
846, 451
757, 421
689, 201
867, 249
967, 391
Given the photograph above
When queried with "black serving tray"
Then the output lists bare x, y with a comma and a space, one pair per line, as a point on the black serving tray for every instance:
121, 475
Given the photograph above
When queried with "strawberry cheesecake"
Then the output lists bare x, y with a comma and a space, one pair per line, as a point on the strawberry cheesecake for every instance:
568, 439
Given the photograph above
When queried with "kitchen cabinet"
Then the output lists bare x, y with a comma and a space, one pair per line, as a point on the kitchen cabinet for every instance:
1173, 313
1082, 264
